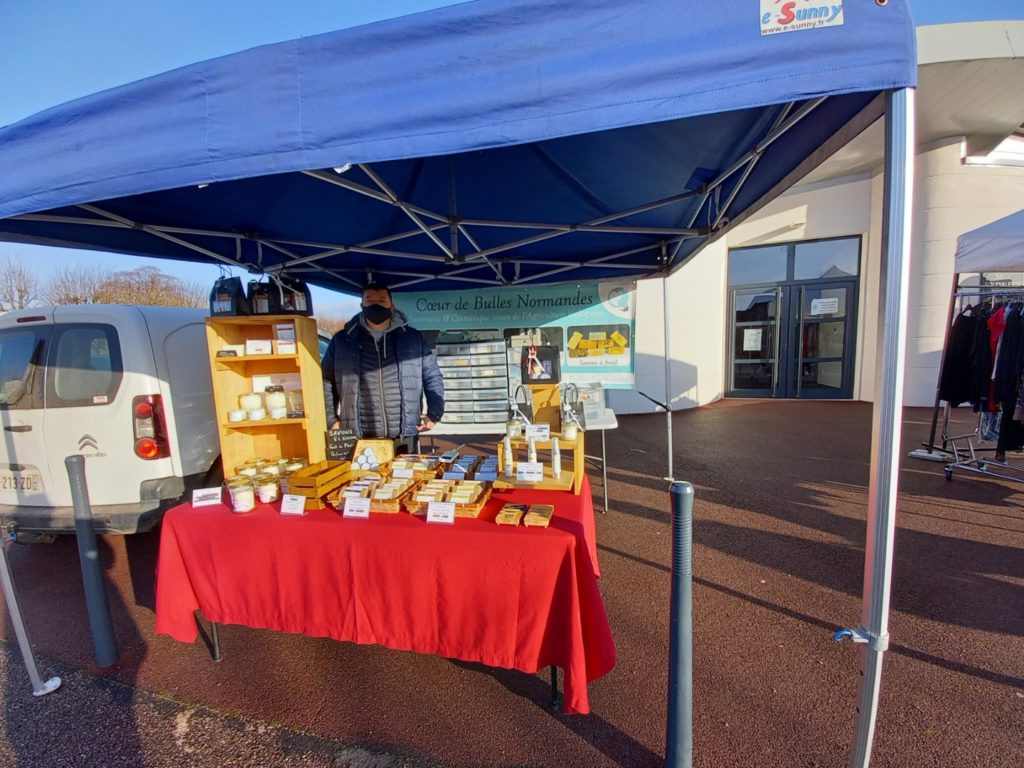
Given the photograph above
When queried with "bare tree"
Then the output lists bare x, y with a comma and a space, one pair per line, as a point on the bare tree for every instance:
148, 286
329, 324
76, 284
19, 287
195, 294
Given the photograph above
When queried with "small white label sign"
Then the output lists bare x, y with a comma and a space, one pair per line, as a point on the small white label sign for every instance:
403, 473
293, 504
206, 497
538, 431
441, 512
752, 339
825, 306
529, 472
356, 508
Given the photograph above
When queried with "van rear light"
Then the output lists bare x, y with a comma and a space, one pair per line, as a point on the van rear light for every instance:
147, 448
149, 427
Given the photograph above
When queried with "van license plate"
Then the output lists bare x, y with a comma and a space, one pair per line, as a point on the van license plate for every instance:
21, 481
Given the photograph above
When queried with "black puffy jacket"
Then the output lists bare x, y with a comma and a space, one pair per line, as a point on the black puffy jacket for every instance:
383, 383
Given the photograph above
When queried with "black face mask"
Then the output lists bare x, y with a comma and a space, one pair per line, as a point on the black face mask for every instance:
377, 314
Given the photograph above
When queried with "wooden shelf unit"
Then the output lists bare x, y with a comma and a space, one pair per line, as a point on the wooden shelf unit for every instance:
241, 441
571, 476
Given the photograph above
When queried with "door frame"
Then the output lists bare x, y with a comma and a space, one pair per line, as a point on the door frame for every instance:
785, 376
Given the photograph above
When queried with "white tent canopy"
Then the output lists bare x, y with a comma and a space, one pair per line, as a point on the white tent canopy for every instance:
995, 247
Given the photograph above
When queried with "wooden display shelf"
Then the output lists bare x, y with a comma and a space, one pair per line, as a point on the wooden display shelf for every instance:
233, 359
564, 482
575, 474
232, 376
261, 423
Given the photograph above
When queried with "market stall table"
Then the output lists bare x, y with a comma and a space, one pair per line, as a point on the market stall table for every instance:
513, 597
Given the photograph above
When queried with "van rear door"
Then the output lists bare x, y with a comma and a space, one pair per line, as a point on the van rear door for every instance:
89, 402
24, 470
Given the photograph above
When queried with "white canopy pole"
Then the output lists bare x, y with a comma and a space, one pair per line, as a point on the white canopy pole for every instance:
668, 374
887, 416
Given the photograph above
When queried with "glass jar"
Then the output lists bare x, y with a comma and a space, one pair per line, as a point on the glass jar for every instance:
236, 415
569, 431
257, 414
270, 467
243, 496
251, 468
293, 398
266, 486
514, 428
250, 401
274, 398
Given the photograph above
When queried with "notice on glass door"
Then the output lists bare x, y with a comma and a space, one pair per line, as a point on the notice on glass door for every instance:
825, 306
752, 339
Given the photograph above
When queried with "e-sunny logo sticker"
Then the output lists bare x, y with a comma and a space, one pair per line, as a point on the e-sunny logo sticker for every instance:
794, 15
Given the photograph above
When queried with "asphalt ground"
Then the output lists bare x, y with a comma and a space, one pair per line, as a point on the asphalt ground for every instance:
779, 536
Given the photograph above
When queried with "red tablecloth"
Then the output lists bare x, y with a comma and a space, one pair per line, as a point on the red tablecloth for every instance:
520, 598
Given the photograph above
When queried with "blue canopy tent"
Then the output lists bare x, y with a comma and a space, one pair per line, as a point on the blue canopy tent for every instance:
497, 142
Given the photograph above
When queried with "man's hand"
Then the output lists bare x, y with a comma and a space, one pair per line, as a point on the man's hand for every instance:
426, 423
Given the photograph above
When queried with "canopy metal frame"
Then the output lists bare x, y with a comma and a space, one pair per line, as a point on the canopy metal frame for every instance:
477, 266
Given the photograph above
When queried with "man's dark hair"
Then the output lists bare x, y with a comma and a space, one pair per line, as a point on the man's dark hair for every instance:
377, 287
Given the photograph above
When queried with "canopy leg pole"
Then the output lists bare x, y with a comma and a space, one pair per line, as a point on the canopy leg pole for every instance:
873, 632
668, 378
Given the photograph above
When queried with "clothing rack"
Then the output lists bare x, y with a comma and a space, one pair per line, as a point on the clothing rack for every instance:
964, 451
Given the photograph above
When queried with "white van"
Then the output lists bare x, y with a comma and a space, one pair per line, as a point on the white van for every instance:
98, 380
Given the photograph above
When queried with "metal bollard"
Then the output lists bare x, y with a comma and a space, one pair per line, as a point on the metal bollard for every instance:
39, 688
679, 736
96, 604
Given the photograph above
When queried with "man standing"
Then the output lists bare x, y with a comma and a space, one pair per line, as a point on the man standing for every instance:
376, 371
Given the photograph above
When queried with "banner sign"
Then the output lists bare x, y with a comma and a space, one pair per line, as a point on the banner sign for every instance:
592, 324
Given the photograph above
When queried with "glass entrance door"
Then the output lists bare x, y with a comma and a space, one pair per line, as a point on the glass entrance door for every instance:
793, 341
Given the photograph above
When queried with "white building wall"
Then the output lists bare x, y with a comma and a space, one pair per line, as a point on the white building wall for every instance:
950, 198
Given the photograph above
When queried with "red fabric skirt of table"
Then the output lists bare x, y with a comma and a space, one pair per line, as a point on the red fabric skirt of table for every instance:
514, 597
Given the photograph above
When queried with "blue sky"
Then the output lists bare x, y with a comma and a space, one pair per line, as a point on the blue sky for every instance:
52, 51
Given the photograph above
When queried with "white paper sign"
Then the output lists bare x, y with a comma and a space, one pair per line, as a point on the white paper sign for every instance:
752, 339
356, 508
529, 472
441, 512
825, 306
403, 473
206, 497
538, 431
293, 504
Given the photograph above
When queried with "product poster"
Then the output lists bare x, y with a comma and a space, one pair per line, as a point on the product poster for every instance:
591, 324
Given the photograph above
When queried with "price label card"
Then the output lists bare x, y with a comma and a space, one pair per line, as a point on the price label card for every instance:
538, 431
293, 504
403, 473
441, 512
356, 508
529, 472
206, 497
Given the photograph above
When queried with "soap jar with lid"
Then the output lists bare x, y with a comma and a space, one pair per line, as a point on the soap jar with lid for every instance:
250, 401
276, 401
